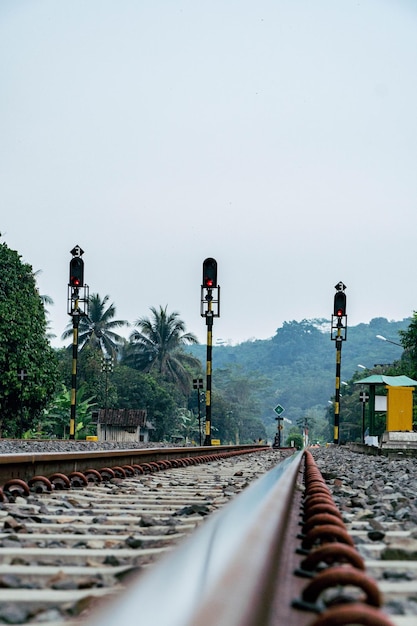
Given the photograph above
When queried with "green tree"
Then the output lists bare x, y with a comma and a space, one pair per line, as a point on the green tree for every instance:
157, 346
97, 329
27, 361
240, 392
138, 390
408, 340
295, 436
317, 424
55, 420
46, 301
188, 426
223, 419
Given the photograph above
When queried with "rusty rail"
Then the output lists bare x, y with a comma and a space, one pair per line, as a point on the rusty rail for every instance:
338, 589
16, 469
269, 558
219, 575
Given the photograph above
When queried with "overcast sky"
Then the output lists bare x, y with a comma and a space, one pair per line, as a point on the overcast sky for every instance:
277, 136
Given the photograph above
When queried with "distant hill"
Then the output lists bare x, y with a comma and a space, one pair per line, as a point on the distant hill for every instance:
297, 365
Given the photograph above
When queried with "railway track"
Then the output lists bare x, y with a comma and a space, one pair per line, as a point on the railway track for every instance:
298, 547
62, 550
297, 560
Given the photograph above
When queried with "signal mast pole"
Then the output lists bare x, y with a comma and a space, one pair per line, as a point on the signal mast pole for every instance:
76, 282
338, 334
210, 308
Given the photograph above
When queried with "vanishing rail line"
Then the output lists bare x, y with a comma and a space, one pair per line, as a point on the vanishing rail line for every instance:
280, 553
26, 465
63, 548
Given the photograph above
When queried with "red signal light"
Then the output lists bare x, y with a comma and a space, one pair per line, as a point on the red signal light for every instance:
76, 278
339, 308
210, 273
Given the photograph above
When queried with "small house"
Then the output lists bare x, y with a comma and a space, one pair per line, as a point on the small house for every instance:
122, 425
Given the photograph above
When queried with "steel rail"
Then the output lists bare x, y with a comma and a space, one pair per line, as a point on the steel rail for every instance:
226, 573
24, 466
121, 521
277, 555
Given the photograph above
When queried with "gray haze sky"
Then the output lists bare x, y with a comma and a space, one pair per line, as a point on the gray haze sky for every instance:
278, 136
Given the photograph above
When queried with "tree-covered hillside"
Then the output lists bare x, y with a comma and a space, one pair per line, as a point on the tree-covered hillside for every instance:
296, 367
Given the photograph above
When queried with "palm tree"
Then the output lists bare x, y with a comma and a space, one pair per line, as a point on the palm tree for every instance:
158, 345
96, 328
46, 301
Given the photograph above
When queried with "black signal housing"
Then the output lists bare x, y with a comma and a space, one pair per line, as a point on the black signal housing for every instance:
339, 309
210, 273
76, 278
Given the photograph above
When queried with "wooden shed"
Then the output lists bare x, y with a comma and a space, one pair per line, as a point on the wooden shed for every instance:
122, 425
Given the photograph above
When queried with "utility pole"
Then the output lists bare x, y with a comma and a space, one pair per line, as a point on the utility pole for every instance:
363, 398
22, 374
106, 368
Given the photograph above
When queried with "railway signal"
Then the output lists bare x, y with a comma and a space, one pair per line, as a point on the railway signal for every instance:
277, 438
209, 308
77, 306
338, 334
339, 317
210, 273
339, 307
76, 279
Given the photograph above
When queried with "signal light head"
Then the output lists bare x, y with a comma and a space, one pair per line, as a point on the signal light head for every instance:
210, 273
76, 278
339, 304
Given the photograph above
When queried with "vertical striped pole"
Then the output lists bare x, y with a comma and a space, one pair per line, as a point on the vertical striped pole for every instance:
209, 283
75, 321
209, 321
199, 415
337, 390
339, 324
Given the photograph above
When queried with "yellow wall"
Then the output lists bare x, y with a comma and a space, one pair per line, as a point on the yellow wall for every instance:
400, 408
